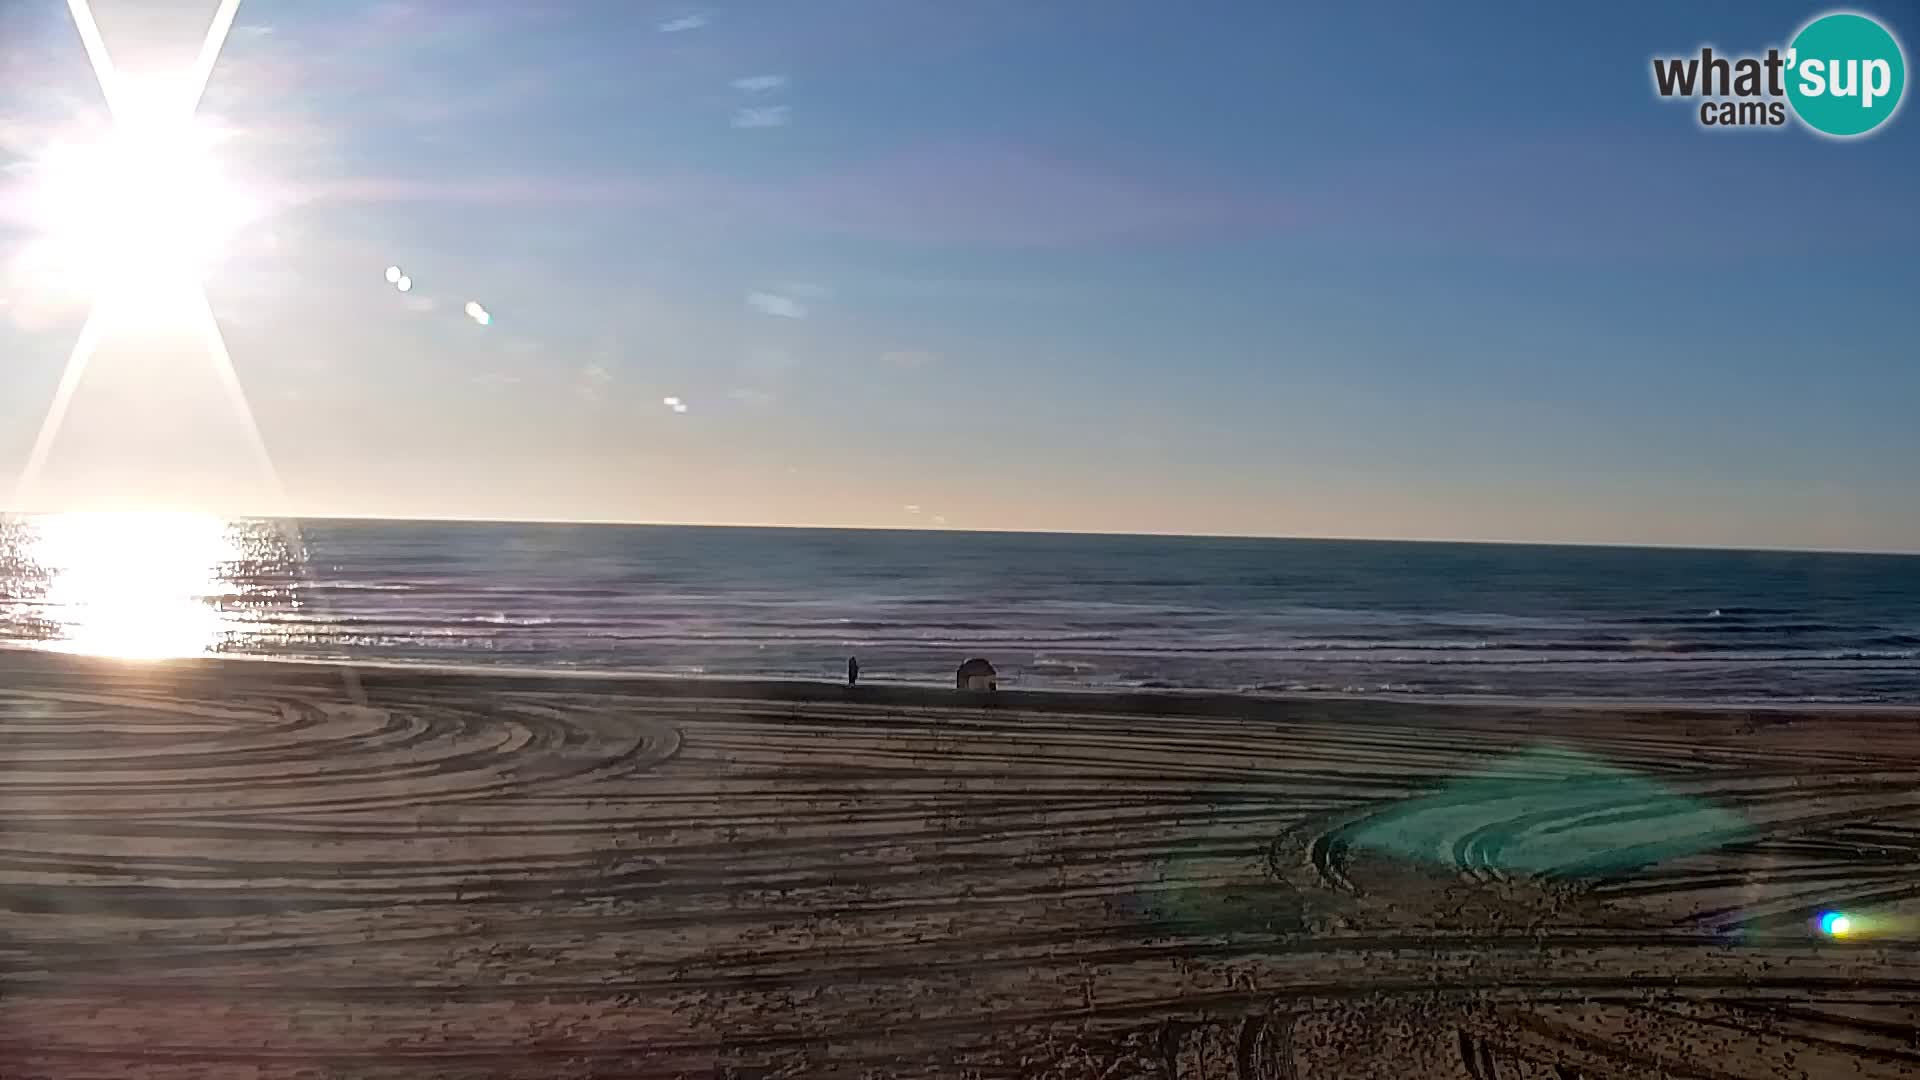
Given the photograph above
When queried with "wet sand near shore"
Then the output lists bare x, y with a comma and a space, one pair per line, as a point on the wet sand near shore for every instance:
271, 870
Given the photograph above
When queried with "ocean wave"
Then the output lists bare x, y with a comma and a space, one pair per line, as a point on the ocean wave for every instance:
1729, 613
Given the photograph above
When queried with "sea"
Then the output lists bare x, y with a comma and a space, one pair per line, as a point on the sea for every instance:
1049, 611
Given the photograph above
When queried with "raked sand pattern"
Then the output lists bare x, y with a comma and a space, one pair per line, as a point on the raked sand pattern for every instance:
266, 871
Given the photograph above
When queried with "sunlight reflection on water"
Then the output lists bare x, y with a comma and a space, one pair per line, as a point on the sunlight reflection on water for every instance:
138, 586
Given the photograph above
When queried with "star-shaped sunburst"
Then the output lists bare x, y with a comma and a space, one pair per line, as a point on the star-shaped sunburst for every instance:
136, 218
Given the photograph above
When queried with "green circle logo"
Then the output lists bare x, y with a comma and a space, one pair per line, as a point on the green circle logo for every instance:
1845, 73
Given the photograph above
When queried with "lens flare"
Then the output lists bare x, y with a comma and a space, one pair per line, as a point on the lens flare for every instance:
1837, 924
136, 216
143, 206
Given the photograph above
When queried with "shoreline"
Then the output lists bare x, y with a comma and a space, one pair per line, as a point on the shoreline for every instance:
1137, 702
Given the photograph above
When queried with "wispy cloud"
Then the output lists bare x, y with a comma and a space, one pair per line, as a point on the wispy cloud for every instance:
767, 117
592, 382
785, 307
765, 363
495, 380
1006, 195
806, 290
523, 190
760, 84
683, 24
762, 375
910, 359
915, 510
970, 194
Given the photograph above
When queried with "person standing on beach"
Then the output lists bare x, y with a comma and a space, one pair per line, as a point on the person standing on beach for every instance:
853, 670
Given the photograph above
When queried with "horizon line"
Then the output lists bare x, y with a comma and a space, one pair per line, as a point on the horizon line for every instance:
1117, 533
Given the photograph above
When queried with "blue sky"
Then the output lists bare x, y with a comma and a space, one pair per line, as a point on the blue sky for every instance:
1407, 270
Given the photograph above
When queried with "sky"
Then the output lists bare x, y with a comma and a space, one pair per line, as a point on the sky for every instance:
1387, 270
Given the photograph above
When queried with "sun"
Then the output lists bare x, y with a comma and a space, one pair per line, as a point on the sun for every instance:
130, 221
145, 208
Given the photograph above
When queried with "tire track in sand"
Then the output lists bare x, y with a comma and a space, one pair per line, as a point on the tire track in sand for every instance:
463, 879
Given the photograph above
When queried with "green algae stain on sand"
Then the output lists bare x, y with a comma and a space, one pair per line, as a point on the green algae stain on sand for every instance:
1548, 812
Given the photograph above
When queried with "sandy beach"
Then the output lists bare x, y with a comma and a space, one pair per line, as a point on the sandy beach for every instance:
273, 870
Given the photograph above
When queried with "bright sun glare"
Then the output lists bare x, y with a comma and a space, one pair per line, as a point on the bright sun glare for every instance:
132, 221
136, 586
144, 209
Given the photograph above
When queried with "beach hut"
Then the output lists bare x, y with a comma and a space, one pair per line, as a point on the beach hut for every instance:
975, 674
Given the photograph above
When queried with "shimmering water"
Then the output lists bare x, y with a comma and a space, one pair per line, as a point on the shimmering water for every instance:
1049, 610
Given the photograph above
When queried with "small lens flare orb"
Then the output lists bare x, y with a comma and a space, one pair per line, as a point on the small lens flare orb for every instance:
393, 275
1837, 924
478, 313
405, 284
